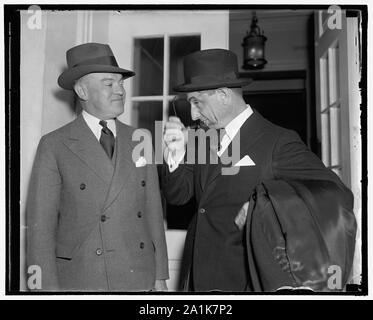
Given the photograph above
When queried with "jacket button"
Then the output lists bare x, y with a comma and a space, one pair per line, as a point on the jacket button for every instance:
139, 214
143, 183
99, 251
202, 210
142, 245
82, 186
103, 218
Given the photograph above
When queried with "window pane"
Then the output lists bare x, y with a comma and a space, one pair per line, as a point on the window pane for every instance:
180, 47
148, 65
179, 217
147, 113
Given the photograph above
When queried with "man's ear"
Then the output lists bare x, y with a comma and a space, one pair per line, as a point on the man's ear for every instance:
224, 95
81, 90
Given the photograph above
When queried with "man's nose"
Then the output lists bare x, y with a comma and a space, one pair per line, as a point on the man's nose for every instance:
118, 89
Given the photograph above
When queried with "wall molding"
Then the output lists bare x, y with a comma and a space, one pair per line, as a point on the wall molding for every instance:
84, 27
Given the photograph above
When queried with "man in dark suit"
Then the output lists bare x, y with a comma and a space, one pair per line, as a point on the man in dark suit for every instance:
94, 216
215, 253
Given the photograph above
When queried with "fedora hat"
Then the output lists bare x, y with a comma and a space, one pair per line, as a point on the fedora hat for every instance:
88, 58
211, 69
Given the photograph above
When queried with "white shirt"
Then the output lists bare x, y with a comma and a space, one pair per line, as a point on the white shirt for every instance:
231, 130
94, 124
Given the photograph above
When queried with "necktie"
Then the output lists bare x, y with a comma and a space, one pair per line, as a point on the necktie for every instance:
222, 137
215, 143
222, 142
215, 146
107, 139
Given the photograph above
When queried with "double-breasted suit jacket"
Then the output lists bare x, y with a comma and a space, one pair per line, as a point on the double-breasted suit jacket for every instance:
215, 247
94, 223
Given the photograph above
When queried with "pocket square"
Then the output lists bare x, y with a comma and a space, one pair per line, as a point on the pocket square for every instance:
140, 162
245, 161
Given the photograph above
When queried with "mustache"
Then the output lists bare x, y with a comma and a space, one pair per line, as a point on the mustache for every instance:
198, 125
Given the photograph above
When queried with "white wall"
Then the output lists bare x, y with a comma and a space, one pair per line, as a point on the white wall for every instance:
44, 106
31, 81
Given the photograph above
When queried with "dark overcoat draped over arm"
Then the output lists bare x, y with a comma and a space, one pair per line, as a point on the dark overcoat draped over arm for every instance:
300, 233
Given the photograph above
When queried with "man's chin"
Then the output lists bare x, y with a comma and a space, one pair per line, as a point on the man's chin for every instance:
212, 126
206, 124
118, 107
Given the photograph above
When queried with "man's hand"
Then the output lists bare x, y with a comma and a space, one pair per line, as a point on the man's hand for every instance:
174, 138
160, 285
240, 219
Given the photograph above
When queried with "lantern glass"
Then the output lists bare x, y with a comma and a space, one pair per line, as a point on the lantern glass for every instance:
254, 52
253, 47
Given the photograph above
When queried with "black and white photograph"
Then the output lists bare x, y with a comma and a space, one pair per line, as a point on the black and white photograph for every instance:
175, 150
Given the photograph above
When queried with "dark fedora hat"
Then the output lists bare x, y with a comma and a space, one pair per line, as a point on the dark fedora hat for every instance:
88, 58
211, 69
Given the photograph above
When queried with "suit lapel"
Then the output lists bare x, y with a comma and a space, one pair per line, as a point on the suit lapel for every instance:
213, 171
210, 172
203, 171
84, 144
123, 165
249, 133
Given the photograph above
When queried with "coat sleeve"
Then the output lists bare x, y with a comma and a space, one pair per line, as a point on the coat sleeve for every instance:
292, 160
156, 226
42, 215
178, 186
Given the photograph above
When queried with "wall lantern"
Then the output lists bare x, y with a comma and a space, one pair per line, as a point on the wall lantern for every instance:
253, 47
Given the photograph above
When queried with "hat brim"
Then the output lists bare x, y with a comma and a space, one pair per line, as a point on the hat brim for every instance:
190, 87
67, 79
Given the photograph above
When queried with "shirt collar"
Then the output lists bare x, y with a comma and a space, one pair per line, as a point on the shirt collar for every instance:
94, 124
234, 126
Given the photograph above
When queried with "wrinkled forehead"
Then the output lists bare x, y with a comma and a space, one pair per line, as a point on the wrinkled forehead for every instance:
197, 95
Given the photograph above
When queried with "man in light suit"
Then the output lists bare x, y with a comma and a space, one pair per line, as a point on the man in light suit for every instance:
215, 250
94, 215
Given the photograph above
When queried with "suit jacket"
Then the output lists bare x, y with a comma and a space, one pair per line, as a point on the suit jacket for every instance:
300, 233
215, 248
94, 223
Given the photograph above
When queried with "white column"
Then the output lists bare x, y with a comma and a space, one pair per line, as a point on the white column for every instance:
31, 113
355, 136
